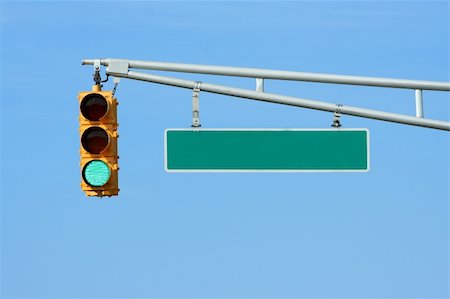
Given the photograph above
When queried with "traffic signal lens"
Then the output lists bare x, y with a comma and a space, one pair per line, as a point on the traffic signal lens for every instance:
94, 140
96, 173
94, 107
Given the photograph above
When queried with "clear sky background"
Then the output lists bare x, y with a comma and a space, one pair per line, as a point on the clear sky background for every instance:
380, 234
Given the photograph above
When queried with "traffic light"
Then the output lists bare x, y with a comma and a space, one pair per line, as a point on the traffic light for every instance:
98, 150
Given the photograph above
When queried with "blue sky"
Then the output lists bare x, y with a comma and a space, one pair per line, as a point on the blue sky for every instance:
381, 234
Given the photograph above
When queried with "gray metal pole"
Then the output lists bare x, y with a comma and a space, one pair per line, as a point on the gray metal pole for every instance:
286, 100
279, 75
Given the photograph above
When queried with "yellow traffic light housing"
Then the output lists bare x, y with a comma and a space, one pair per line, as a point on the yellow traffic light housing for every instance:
98, 136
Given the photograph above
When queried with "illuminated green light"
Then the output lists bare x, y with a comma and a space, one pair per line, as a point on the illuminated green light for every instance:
96, 173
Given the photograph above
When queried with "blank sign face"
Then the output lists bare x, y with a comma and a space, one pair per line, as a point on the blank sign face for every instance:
266, 150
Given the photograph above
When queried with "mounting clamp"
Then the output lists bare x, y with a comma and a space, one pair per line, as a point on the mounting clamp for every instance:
336, 117
196, 105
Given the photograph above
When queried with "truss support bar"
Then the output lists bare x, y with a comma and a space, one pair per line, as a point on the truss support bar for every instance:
278, 75
419, 103
259, 85
292, 101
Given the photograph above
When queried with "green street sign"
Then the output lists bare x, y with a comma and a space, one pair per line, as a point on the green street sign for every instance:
266, 150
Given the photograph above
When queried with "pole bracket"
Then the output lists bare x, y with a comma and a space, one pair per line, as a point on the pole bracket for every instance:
117, 67
196, 105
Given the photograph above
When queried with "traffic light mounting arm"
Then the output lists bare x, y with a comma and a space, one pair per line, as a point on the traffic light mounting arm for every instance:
120, 68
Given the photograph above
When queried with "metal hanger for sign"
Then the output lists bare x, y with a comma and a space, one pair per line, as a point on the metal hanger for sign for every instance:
120, 68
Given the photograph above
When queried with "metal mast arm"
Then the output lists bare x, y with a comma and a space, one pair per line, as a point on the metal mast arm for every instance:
276, 74
120, 68
292, 101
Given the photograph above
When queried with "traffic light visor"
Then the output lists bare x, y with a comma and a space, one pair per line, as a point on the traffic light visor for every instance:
95, 140
94, 106
96, 173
